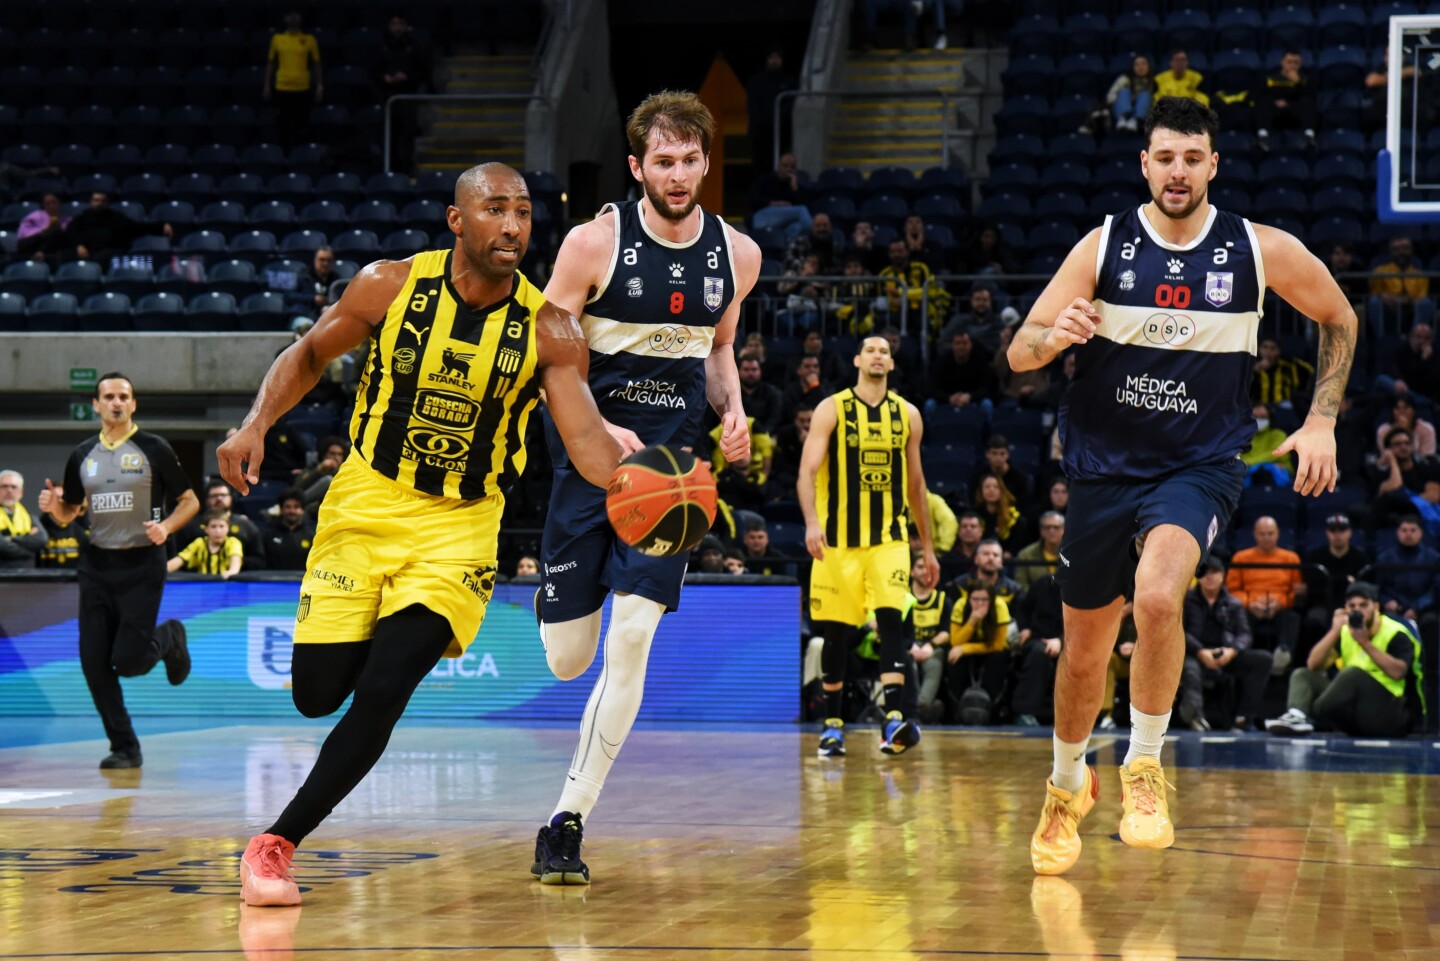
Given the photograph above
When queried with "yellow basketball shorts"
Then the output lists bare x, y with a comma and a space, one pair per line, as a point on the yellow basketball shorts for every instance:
852, 580
380, 548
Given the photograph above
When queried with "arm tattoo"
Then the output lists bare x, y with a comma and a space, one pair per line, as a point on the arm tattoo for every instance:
1337, 350
1037, 346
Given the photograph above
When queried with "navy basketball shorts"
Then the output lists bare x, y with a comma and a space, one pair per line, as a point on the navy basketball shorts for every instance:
1098, 558
581, 559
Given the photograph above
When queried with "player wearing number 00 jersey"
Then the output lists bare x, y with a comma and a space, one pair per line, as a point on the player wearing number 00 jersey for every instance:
1162, 306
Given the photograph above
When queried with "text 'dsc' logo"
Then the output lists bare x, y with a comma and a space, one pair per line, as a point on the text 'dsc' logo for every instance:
670, 340
1169, 330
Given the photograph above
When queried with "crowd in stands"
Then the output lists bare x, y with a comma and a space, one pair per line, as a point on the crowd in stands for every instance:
210, 227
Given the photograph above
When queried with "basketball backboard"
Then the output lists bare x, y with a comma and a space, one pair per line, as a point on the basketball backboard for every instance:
1408, 169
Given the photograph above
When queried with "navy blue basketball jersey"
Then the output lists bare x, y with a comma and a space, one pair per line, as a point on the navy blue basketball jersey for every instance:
1165, 383
650, 325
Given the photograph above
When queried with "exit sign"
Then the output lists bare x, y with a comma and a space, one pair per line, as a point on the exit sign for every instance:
82, 378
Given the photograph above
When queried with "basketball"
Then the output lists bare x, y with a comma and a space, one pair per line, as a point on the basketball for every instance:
661, 501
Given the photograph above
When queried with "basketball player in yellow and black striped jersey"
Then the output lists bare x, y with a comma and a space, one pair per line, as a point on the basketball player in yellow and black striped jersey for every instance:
860, 479
404, 559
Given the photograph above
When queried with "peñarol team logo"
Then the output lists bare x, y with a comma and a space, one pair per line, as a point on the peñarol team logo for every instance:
1219, 288
302, 611
714, 292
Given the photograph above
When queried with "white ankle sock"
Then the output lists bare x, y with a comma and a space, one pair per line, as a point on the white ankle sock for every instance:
1068, 774
579, 795
1147, 734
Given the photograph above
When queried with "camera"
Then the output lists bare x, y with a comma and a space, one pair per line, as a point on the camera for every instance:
1356, 620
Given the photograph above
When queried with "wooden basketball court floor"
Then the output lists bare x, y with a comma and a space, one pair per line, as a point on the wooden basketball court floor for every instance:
713, 844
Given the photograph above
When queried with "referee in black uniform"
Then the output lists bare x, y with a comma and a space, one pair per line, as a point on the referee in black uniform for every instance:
129, 476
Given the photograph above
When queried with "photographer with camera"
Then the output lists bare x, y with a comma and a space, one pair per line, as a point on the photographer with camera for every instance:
1375, 654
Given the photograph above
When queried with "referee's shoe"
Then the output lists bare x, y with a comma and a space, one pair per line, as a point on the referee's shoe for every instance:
177, 651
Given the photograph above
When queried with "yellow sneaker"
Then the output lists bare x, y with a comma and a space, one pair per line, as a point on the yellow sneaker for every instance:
1146, 821
1055, 845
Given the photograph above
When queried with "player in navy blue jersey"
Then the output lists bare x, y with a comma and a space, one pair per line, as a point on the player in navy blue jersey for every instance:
1162, 305
657, 285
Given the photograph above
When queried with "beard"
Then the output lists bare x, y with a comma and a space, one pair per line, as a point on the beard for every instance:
1196, 198
482, 266
662, 206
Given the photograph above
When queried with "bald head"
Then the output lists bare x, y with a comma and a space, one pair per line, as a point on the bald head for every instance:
1267, 534
492, 179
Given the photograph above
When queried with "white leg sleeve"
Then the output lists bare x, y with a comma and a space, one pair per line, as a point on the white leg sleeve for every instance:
613, 703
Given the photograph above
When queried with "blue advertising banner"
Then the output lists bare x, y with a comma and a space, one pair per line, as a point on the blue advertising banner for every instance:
730, 653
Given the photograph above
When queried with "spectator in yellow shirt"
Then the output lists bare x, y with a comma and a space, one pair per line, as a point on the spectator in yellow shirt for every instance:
288, 80
979, 644
215, 553
1180, 80
1405, 283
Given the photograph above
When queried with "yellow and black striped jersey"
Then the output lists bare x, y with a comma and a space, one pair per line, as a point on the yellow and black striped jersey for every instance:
860, 489
447, 391
930, 616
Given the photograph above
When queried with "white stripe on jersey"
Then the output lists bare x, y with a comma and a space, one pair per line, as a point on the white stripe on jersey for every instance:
614, 253
1259, 260
1206, 331
1104, 247
661, 341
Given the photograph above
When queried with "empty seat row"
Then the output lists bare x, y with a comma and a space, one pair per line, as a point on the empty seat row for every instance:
212, 85
1190, 26
260, 159
111, 311
149, 124
281, 215
44, 51
137, 275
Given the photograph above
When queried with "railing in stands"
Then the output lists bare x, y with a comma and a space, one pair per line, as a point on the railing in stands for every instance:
830, 93
446, 98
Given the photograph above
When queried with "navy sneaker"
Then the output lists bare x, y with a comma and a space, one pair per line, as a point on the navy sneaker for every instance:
177, 661
557, 852
899, 734
832, 739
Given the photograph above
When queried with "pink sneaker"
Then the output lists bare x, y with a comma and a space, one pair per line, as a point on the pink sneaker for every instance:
265, 875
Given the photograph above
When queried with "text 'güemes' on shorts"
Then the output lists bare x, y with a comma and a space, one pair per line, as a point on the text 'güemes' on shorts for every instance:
379, 548
1097, 556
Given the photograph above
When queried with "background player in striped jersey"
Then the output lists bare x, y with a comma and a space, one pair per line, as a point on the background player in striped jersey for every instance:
657, 285
859, 471
1162, 304
404, 558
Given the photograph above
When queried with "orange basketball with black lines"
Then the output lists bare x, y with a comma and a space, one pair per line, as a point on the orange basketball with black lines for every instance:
661, 501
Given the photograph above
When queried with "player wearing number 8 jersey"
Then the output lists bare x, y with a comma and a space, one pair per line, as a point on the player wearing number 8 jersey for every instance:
657, 284
1162, 305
